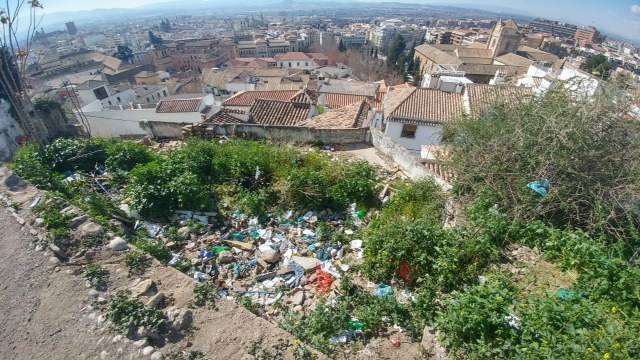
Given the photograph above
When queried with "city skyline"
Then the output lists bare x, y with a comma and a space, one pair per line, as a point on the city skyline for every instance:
619, 17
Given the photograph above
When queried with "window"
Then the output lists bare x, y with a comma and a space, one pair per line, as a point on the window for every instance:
147, 100
164, 92
119, 99
409, 131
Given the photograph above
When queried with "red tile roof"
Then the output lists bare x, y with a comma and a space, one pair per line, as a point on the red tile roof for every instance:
226, 116
279, 113
179, 105
336, 101
427, 106
482, 97
348, 117
293, 56
248, 98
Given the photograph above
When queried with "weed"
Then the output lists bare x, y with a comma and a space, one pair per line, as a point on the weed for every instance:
186, 355
137, 262
203, 295
246, 303
96, 275
155, 248
128, 314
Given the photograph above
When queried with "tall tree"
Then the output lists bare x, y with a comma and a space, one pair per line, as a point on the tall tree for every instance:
598, 65
124, 53
341, 46
155, 40
395, 52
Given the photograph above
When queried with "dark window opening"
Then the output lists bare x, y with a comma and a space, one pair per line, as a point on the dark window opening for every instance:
409, 131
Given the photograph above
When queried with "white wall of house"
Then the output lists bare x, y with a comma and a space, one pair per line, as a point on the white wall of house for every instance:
236, 87
123, 98
298, 64
577, 80
117, 123
425, 135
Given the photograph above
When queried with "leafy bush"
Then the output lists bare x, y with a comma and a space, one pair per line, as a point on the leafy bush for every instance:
75, 154
586, 149
128, 314
27, 163
126, 155
157, 189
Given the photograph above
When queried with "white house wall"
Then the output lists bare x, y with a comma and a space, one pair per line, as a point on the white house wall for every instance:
425, 135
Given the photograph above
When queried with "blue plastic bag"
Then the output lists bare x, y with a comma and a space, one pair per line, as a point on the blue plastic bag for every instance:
540, 187
383, 290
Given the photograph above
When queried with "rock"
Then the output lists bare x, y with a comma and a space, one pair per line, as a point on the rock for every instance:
101, 300
104, 355
147, 350
140, 343
270, 256
54, 260
431, 345
89, 230
116, 339
226, 257
38, 222
143, 333
157, 356
143, 288
180, 319
312, 278
93, 293
77, 221
157, 300
118, 244
56, 250
297, 308
184, 232
20, 220
33, 232
297, 298
308, 263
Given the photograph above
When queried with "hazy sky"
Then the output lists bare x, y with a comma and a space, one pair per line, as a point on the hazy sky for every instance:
618, 16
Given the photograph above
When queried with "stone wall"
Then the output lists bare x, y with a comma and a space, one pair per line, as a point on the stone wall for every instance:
292, 134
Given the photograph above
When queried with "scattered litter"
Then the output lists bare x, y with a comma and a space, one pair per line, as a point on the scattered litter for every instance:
383, 290
513, 321
540, 187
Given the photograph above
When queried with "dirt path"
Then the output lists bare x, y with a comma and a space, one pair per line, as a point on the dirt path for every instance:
41, 309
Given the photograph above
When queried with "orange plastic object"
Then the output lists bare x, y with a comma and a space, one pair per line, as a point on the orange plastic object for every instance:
324, 280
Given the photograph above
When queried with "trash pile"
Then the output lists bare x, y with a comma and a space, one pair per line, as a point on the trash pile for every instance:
289, 258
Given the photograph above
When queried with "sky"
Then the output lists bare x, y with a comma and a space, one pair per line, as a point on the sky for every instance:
620, 17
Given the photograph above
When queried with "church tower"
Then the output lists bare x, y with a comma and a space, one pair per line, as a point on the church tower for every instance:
504, 39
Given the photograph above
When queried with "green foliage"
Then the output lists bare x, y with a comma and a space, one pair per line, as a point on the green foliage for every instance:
126, 155
27, 163
96, 275
128, 314
204, 294
598, 65
56, 222
155, 248
585, 148
137, 262
157, 189
75, 154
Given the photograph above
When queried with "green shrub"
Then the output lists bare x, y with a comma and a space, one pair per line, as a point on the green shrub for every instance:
28, 164
75, 154
126, 155
158, 188
585, 147
128, 314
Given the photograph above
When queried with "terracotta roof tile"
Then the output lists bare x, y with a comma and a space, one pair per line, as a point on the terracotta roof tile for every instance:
248, 98
279, 113
482, 97
336, 101
428, 106
293, 56
179, 105
347, 117
226, 116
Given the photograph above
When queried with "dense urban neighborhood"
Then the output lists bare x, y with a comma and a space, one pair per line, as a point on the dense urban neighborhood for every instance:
317, 180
